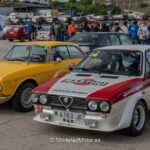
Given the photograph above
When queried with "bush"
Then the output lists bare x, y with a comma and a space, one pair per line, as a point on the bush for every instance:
116, 10
146, 17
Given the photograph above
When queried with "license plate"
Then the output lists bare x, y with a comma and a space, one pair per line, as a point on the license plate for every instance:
11, 33
68, 117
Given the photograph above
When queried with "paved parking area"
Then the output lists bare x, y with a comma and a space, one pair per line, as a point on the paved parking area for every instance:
19, 132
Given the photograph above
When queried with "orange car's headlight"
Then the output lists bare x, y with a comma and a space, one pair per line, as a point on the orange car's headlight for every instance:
1, 88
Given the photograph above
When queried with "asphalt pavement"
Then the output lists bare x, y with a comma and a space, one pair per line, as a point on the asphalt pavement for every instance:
18, 131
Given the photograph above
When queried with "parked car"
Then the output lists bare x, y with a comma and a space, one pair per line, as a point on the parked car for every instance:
44, 35
29, 64
91, 40
17, 33
108, 91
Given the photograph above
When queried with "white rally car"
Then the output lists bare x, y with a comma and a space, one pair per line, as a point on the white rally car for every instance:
108, 91
44, 35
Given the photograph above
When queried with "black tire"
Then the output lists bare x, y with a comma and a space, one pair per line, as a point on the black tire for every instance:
17, 101
10, 40
22, 39
4, 37
135, 130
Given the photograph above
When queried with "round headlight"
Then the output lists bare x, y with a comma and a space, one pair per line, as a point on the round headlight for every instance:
92, 105
104, 106
0, 88
34, 98
43, 99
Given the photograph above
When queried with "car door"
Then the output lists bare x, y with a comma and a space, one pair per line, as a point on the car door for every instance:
59, 61
147, 77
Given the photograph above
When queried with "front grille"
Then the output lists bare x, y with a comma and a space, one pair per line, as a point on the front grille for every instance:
78, 103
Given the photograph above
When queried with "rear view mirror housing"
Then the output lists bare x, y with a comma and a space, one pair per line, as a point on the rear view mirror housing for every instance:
58, 60
72, 67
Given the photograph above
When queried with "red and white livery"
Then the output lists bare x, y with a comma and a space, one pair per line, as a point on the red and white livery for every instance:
108, 91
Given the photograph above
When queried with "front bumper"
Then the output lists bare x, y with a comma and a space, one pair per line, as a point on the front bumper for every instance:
91, 121
4, 99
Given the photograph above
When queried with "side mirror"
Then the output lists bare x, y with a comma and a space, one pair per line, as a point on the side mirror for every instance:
59, 60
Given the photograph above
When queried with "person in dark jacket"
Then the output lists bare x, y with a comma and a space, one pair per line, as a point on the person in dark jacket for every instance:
30, 30
85, 27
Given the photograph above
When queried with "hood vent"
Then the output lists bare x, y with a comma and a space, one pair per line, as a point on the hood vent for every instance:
112, 77
83, 75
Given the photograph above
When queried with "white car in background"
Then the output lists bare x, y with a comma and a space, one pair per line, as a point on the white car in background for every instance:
44, 35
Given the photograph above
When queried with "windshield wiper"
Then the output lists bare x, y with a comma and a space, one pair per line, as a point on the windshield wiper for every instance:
17, 59
88, 70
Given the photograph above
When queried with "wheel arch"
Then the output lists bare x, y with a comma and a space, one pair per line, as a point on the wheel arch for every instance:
145, 104
128, 113
34, 82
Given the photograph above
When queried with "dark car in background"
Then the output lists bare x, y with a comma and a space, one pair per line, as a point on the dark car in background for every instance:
91, 40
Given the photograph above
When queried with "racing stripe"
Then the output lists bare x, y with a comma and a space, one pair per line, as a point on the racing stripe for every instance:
120, 91
44, 88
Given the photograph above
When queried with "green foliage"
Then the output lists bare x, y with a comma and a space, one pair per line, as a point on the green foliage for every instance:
85, 2
86, 7
116, 10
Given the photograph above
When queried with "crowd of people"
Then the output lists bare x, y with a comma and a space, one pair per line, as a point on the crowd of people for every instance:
139, 31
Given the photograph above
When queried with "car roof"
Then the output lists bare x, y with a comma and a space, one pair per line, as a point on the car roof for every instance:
47, 43
126, 47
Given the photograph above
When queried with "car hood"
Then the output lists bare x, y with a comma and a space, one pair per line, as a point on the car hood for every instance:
12, 67
88, 85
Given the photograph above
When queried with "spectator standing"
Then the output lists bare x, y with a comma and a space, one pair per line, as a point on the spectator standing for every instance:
34, 30
30, 30
134, 32
85, 27
65, 33
57, 30
52, 31
149, 29
116, 27
124, 28
72, 30
143, 33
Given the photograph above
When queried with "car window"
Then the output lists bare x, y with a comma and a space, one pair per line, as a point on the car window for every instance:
104, 40
1, 28
114, 39
121, 62
59, 52
125, 40
26, 53
94, 38
83, 38
75, 52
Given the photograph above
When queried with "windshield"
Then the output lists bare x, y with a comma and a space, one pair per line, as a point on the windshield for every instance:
116, 62
26, 53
